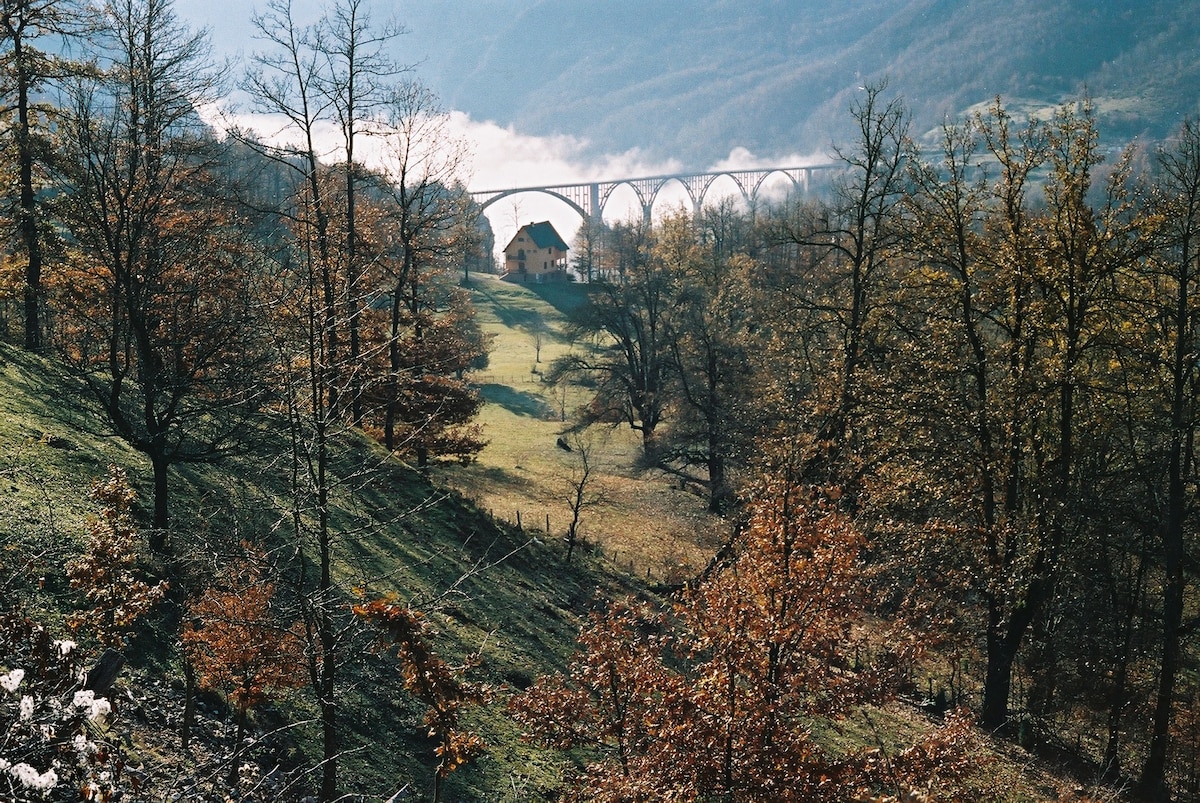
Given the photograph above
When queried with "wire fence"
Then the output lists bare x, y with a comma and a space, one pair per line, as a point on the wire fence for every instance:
540, 525
506, 379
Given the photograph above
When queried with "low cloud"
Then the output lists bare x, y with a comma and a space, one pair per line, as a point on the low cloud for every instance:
742, 159
505, 158
500, 157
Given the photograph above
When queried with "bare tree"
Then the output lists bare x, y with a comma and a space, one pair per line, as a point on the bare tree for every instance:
538, 331
27, 69
587, 248
626, 320
358, 83
581, 493
286, 81
851, 241
421, 162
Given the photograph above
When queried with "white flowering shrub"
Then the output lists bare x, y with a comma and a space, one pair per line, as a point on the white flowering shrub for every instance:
52, 731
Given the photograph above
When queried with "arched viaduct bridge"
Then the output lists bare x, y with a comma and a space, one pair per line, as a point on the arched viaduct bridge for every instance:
589, 199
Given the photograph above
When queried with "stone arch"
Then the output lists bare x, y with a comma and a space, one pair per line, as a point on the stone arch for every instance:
544, 190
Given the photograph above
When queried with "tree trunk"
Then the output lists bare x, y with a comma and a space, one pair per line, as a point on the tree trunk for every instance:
1152, 785
1153, 782
28, 214
162, 520
718, 493
1111, 769
649, 443
325, 625
998, 679
189, 705
1002, 646
393, 381
237, 748
1120, 699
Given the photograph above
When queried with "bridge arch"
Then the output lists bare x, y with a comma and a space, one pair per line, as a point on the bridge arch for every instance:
502, 194
688, 188
590, 199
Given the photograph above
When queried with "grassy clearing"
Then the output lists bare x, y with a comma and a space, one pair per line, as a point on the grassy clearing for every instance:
645, 524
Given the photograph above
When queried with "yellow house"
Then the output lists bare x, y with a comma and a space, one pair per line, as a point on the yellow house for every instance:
535, 253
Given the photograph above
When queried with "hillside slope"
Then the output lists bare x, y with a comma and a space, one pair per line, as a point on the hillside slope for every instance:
693, 81
489, 589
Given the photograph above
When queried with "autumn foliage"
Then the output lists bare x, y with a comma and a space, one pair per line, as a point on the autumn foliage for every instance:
106, 572
238, 645
236, 641
436, 683
725, 693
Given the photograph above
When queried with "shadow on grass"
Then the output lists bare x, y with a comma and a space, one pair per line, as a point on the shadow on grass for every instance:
475, 480
511, 303
516, 401
563, 296
507, 304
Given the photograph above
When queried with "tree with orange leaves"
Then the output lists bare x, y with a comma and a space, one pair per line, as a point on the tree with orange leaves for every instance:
431, 680
116, 597
238, 646
720, 696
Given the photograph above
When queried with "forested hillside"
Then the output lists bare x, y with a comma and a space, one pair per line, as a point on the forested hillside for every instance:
940, 416
691, 82
983, 357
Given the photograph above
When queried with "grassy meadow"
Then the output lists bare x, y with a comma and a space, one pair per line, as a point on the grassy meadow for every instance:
643, 522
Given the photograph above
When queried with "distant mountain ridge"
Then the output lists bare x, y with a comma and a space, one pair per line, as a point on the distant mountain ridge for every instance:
694, 80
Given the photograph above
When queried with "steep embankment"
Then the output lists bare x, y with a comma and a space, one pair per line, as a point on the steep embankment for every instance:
490, 589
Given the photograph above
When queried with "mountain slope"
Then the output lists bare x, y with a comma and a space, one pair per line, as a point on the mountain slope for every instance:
692, 81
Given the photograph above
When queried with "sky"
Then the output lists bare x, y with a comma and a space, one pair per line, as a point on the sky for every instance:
499, 156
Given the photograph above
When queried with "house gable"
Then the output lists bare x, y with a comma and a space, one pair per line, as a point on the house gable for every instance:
545, 236
536, 250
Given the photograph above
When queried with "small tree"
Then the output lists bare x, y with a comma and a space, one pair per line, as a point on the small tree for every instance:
538, 331
116, 598
238, 646
431, 680
580, 489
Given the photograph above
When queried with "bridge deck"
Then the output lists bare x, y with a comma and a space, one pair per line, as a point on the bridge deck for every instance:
590, 198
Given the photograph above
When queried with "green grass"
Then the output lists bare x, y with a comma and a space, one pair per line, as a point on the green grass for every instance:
646, 524
491, 590
50, 453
